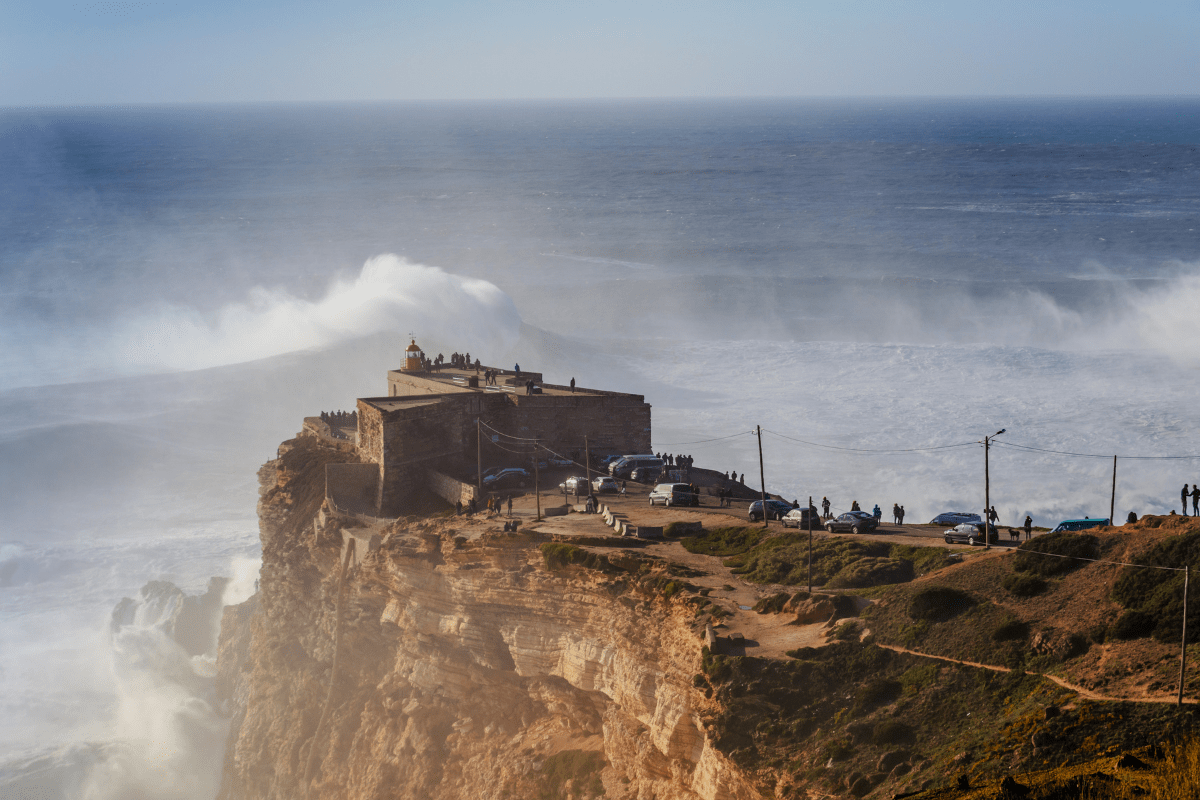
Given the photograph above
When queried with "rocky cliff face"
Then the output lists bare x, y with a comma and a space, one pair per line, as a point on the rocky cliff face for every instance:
451, 663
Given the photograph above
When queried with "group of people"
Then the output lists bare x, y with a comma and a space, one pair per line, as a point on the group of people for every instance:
670, 459
458, 361
339, 417
897, 513
495, 505
1195, 495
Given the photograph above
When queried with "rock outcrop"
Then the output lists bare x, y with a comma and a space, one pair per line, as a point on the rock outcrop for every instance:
449, 663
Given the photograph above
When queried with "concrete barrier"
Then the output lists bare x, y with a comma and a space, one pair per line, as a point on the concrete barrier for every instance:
560, 511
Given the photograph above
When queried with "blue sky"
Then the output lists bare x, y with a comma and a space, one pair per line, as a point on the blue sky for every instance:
59, 52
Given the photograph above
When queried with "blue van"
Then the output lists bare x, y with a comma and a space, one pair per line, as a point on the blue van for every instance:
1079, 524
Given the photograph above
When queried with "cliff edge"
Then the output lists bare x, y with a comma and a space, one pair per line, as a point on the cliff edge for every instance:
430, 658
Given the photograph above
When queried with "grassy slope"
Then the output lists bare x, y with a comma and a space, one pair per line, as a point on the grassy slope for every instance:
854, 718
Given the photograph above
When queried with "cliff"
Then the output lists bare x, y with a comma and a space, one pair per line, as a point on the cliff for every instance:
441, 658
451, 662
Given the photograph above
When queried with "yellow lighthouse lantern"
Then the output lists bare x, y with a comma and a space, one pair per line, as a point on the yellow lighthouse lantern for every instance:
413, 358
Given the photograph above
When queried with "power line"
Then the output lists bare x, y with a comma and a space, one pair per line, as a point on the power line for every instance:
1092, 455
869, 450
672, 444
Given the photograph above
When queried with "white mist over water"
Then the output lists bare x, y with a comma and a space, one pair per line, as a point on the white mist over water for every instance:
113, 484
390, 294
128, 714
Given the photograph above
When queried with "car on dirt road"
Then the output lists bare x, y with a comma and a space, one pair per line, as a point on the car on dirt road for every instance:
803, 518
971, 533
507, 478
605, 485
674, 494
955, 518
852, 522
576, 484
776, 509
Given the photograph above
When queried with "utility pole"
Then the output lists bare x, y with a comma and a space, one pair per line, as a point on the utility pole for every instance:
1183, 644
478, 457
587, 463
810, 516
537, 491
762, 476
987, 491
1112, 503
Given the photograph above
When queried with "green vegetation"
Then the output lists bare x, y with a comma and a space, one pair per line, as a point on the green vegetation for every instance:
1010, 630
558, 555
1157, 594
838, 562
773, 604
939, 603
1063, 549
1021, 584
571, 773
723, 541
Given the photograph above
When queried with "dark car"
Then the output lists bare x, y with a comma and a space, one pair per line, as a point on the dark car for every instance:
803, 518
1079, 524
852, 522
507, 478
776, 509
955, 518
674, 494
971, 533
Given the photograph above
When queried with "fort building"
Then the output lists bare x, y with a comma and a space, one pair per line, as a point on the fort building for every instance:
437, 423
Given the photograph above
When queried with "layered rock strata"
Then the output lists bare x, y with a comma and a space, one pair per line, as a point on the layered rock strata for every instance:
451, 663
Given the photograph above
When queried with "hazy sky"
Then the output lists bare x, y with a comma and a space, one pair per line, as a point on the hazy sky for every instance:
84, 51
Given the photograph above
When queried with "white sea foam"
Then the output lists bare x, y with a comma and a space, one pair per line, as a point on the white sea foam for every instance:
389, 294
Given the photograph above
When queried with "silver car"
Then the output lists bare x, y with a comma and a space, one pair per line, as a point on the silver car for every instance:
604, 484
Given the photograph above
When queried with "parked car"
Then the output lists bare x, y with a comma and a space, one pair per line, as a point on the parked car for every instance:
803, 518
853, 522
605, 484
624, 466
971, 533
1079, 524
506, 478
574, 484
776, 509
674, 494
955, 518
645, 474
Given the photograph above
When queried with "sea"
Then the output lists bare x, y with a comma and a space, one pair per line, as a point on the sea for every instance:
864, 288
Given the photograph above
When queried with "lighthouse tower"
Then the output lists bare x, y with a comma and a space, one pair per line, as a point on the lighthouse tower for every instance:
413, 358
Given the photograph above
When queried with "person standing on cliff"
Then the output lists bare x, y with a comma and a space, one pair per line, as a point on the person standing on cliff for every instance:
825, 506
572, 385
1195, 501
1183, 496
1028, 527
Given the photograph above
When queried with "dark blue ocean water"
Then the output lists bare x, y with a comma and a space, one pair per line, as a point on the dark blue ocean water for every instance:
103, 209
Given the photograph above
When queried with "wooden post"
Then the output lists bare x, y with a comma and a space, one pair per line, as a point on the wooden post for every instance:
810, 516
1183, 644
763, 479
1112, 502
587, 464
537, 491
987, 495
